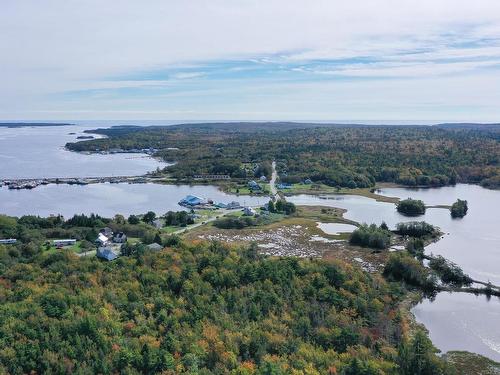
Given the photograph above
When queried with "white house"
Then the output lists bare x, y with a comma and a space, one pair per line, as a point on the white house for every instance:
102, 240
108, 232
249, 211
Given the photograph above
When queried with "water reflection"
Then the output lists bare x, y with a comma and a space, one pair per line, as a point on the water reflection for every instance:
462, 321
336, 228
108, 199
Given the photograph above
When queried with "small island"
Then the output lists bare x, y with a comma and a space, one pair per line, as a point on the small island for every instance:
459, 209
411, 207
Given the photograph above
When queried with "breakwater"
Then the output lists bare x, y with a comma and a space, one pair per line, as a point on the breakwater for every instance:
30, 183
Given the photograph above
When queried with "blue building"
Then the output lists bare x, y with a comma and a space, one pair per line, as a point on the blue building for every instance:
252, 185
107, 253
191, 201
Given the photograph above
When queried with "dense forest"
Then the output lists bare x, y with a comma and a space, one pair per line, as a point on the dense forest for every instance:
196, 308
337, 155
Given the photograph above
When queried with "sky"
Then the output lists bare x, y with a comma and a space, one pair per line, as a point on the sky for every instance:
399, 60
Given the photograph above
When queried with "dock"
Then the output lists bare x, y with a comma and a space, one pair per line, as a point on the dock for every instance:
31, 183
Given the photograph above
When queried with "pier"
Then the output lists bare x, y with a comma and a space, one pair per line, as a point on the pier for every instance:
31, 183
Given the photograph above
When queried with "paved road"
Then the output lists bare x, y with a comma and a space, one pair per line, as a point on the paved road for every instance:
272, 183
213, 218
90, 253
221, 213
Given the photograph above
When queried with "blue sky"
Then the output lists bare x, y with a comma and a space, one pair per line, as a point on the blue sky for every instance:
250, 60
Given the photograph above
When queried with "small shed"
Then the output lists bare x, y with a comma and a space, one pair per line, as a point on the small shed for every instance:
233, 205
107, 231
102, 239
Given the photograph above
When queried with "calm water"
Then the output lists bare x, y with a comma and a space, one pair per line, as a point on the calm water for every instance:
336, 228
455, 321
108, 199
39, 152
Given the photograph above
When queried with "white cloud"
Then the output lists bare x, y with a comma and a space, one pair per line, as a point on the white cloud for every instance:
188, 75
57, 46
410, 70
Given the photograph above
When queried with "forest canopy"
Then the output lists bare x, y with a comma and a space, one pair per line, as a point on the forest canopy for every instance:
205, 309
337, 155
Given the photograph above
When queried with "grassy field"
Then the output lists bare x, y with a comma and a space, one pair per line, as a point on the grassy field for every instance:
318, 189
133, 240
75, 248
204, 214
306, 216
244, 190
297, 235
323, 214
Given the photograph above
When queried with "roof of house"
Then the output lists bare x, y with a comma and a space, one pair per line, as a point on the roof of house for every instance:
102, 238
154, 246
106, 253
192, 200
249, 211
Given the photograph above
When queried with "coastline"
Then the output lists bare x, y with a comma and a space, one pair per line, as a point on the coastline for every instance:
220, 185
31, 125
225, 187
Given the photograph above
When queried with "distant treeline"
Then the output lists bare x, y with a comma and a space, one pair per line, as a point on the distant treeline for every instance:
341, 155
29, 124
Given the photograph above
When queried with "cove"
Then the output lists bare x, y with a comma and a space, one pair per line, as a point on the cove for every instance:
455, 321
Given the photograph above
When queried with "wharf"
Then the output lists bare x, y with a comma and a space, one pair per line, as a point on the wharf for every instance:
31, 183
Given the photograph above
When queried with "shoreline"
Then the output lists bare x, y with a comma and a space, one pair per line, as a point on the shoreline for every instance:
160, 180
